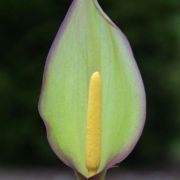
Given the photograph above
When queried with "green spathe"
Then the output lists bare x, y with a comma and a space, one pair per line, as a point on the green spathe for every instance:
90, 42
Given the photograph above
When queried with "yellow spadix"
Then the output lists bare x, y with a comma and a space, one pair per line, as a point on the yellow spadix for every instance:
93, 141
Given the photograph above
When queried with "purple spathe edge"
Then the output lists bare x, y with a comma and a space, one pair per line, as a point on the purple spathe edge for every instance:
48, 59
61, 29
58, 36
120, 157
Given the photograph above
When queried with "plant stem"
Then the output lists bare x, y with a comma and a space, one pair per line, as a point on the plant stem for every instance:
100, 176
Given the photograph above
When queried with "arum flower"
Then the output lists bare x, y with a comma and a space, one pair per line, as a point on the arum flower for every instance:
92, 99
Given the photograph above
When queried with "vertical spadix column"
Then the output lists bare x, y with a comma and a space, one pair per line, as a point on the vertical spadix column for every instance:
93, 144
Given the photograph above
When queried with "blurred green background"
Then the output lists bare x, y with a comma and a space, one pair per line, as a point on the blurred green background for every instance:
27, 29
